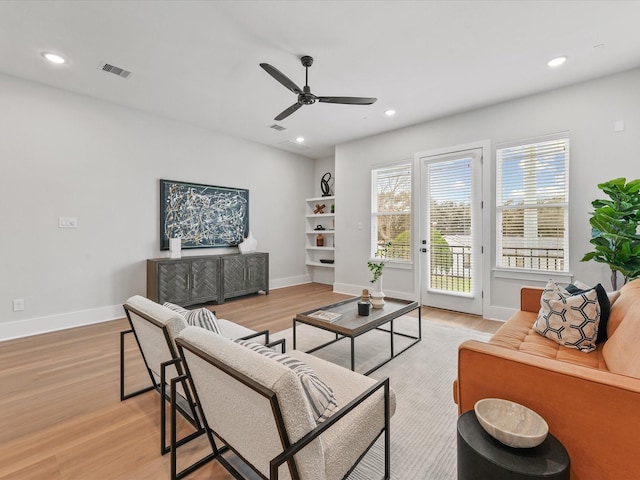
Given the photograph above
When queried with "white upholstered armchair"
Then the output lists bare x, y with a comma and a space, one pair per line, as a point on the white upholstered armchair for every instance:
155, 328
259, 406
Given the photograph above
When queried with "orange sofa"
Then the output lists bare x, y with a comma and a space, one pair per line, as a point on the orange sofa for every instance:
591, 401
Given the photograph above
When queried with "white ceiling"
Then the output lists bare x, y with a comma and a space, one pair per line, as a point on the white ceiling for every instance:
197, 61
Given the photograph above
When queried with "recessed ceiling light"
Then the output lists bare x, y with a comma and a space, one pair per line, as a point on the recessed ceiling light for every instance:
53, 58
299, 139
390, 112
556, 62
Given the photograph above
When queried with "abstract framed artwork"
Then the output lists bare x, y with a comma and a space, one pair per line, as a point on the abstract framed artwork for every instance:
202, 216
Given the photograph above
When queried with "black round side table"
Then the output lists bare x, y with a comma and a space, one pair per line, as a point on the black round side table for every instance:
482, 457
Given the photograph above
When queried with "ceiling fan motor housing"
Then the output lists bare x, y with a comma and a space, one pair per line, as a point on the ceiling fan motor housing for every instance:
307, 98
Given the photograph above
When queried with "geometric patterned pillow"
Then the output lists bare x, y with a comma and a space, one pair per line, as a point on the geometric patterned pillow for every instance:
603, 301
570, 320
320, 395
200, 317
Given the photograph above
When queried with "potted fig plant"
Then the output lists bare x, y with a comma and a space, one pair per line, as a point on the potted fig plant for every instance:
614, 229
376, 267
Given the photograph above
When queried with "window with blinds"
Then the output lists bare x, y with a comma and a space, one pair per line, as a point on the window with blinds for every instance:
391, 211
532, 209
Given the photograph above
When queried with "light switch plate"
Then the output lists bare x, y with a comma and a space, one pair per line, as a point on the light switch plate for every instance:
67, 222
18, 304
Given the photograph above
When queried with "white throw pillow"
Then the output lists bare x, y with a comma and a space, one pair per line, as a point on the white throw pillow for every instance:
320, 395
570, 320
201, 317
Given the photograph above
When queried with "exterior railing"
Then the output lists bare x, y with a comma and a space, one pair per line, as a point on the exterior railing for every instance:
534, 258
451, 266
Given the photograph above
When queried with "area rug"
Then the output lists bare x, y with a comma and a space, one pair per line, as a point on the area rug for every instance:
423, 429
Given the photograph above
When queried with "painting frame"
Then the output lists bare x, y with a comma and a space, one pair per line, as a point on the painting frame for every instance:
203, 216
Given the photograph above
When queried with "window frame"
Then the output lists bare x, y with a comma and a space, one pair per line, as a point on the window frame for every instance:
375, 214
561, 137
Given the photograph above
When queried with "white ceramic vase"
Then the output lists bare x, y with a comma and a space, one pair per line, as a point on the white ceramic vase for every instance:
175, 247
249, 245
377, 296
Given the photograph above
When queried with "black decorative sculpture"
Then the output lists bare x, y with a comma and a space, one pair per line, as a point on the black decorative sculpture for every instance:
324, 185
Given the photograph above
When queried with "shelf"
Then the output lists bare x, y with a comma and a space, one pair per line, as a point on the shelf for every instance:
320, 215
326, 220
330, 232
319, 264
321, 199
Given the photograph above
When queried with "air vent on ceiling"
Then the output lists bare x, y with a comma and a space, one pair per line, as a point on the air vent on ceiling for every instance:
296, 145
121, 72
277, 127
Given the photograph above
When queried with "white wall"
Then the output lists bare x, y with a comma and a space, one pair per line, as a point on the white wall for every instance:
598, 153
67, 155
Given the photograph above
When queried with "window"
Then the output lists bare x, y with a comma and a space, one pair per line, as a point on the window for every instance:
532, 194
391, 211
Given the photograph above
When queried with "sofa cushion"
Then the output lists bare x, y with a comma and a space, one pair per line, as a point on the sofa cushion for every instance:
518, 334
621, 351
570, 320
626, 303
200, 317
320, 395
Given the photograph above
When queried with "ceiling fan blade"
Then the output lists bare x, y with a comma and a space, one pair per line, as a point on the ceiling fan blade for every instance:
347, 100
288, 111
281, 77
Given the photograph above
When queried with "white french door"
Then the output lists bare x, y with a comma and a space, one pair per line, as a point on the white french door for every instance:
451, 230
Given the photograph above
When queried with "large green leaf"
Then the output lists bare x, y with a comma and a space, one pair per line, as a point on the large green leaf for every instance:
633, 186
614, 224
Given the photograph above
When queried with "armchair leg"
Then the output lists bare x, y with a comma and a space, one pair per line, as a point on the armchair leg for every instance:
387, 433
175, 443
123, 395
192, 416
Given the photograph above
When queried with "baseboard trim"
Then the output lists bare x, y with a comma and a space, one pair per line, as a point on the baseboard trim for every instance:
62, 321
289, 281
348, 289
490, 312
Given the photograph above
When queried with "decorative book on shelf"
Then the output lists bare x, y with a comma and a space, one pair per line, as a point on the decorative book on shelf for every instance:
327, 316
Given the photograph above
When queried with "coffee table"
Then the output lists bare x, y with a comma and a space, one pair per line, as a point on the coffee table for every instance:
352, 325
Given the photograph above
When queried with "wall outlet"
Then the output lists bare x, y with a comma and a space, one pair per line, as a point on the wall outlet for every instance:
18, 304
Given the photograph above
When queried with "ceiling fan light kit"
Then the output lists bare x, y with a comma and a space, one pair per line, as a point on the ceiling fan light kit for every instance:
305, 97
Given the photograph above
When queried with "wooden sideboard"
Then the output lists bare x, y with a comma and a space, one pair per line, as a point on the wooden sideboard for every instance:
210, 278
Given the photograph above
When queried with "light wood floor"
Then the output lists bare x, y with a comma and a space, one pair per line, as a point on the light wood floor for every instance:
60, 411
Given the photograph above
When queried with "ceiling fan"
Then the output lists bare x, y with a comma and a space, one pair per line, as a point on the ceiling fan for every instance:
305, 97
